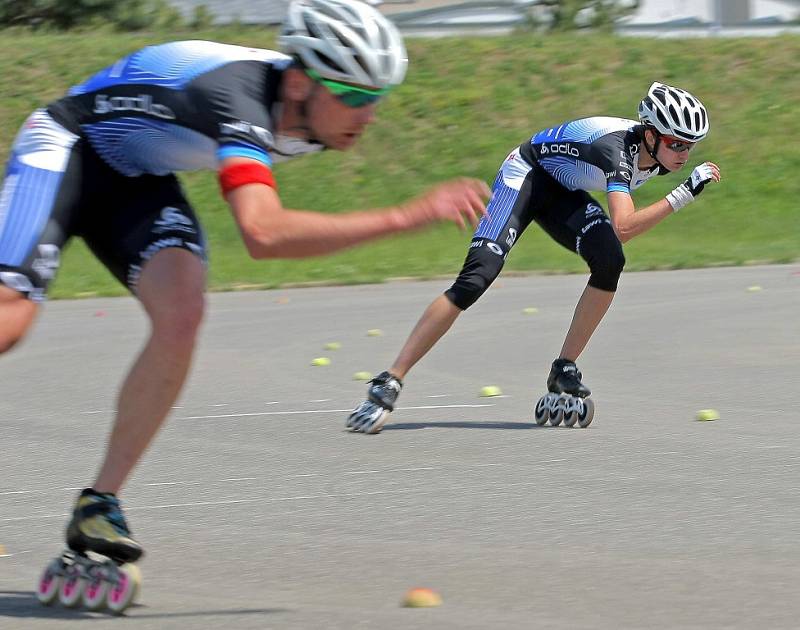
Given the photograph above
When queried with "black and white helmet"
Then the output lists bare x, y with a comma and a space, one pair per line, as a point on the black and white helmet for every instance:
674, 112
345, 40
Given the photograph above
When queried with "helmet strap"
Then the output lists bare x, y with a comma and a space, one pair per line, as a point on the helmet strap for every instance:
652, 153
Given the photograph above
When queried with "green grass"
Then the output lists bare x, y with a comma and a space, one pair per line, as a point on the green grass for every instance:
465, 104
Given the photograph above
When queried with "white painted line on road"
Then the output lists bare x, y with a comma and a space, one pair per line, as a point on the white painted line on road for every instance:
88, 413
438, 396
415, 469
240, 479
320, 400
303, 497
30, 518
296, 412
2, 494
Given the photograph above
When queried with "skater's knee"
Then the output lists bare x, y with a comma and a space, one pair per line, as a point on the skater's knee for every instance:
171, 288
603, 252
16, 315
178, 319
482, 265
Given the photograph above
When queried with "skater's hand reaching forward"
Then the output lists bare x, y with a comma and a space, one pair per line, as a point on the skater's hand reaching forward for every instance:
454, 200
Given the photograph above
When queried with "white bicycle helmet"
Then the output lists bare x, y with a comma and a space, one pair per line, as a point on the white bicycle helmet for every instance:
345, 40
674, 112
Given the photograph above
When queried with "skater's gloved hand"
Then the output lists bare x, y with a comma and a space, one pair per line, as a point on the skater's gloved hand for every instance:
685, 193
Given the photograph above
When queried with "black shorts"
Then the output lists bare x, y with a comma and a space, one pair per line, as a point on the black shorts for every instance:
525, 192
57, 187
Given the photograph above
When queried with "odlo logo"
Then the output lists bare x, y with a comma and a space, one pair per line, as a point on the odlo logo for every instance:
105, 104
564, 148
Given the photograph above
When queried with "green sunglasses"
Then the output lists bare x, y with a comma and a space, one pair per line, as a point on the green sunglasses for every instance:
350, 95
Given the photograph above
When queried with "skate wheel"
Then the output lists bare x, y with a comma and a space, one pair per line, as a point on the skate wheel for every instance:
124, 591
47, 590
541, 411
96, 590
570, 416
586, 414
71, 588
557, 412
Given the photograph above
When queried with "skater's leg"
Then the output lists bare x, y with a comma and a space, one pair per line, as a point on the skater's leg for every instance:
602, 251
509, 214
434, 323
16, 316
171, 290
590, 310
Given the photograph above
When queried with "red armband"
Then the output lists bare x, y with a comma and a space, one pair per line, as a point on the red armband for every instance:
236, 175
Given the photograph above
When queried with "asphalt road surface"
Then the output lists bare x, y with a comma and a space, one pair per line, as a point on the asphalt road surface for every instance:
258, 510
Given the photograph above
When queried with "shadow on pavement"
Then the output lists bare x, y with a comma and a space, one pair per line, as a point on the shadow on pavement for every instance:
402, 426
23, 604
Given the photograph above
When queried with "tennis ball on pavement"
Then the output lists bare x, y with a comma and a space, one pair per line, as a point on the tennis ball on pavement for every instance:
333, 345
754, 288
707, 415
490, 390
362, 376
530, 310
421, 598
321, 361
374, 332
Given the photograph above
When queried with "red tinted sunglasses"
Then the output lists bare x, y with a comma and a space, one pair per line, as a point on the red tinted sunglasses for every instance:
677, 145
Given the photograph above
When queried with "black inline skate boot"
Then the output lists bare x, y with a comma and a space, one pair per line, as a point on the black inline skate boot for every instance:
565, 378
567, 399
371, 415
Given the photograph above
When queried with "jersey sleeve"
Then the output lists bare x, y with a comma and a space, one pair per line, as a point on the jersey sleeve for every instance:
615, 155
233, 96
234, 146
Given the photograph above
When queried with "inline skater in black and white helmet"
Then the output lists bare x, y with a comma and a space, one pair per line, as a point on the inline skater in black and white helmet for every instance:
672, 117
672, 113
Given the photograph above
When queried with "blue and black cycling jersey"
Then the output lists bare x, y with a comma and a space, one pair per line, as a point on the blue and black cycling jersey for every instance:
181, 106
593, 154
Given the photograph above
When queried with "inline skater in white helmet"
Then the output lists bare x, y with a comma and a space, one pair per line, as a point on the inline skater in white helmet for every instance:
348, 42
676, 120
113, 146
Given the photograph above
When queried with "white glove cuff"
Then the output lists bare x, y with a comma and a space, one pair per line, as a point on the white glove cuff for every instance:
680, 197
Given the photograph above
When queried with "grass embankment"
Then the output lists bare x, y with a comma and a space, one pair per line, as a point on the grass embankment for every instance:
465, 104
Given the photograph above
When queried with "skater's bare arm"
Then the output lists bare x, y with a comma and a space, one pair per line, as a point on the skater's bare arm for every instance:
271, 231
628, 221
